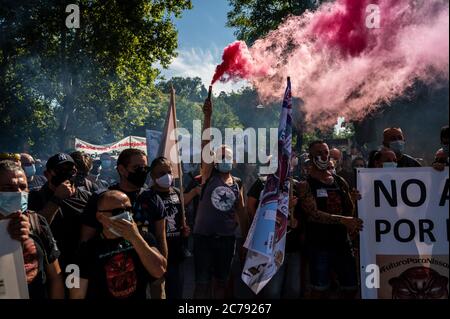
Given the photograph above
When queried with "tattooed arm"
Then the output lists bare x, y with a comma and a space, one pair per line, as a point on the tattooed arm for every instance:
308, 204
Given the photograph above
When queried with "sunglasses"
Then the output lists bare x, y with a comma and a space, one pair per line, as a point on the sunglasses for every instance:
116, 211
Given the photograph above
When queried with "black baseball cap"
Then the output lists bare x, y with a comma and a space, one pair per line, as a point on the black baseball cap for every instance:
59, 159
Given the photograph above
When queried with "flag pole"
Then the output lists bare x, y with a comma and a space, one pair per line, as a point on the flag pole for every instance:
291, 185
180, 171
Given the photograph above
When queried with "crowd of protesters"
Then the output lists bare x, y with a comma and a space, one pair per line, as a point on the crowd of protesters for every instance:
129, 229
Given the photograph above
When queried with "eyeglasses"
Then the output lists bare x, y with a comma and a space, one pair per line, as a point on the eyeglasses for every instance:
116, 211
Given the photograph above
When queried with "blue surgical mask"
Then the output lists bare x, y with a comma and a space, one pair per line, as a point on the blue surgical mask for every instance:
30, 170
106, 164
397, 146
11, 202
225, 167
389, 165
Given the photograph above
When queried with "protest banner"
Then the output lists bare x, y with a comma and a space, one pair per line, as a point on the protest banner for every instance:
153, 142
267, 235
112, 148
13, 280
404, 244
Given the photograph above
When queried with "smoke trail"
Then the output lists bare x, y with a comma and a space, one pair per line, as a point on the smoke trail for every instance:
340, 67
237, 63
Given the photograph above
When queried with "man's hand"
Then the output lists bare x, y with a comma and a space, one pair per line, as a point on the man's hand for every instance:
65, 190
353, 224
185, 230
438, 166
293, 223
128, 230
293, 202
207, 107
19, 226
355, 195
196, 191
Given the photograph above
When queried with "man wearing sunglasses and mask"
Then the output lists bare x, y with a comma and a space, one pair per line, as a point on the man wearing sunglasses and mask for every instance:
61, 203
119, 262
149, 213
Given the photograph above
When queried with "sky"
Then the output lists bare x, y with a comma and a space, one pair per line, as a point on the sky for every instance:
202, 36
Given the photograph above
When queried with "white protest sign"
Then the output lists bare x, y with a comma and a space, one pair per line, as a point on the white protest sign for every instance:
404, 244
13, 281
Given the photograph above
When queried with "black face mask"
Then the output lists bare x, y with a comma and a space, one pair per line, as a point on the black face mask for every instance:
61, 177
138, 177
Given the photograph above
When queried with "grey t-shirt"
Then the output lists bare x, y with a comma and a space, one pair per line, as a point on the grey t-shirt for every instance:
217, 208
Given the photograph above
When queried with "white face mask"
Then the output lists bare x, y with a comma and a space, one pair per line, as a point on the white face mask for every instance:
321, 164
165, 181
125, 216
389, 165
11, 202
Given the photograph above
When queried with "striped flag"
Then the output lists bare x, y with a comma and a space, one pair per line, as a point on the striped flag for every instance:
267, 236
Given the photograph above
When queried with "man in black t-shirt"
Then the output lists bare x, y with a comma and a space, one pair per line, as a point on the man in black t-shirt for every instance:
176, 226
119, 262
148, 211
40, 253
61, 203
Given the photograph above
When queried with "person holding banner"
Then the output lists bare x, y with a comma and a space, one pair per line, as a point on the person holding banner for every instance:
441, 158
327, 203
40, 253
220, 211
394, 140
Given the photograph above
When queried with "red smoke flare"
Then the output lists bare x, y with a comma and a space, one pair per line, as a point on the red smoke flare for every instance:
237, 62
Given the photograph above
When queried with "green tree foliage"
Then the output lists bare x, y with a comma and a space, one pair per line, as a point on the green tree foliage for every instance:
253, 19
96, 81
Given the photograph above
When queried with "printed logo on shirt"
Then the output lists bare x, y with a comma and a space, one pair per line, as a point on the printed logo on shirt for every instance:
31, 259
121, 276
223, 198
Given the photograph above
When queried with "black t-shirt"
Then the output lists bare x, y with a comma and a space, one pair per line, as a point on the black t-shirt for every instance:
147, 208
329, 199
113, 268
67, 222
293, 236
191, 209
39, 251
257, 187
37, 182
172, 204
408, 161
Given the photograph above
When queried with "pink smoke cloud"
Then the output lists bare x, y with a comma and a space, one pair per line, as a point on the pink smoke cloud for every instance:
340, 67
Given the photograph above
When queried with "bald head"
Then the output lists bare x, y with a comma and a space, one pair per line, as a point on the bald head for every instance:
384, 156
112, 199
392, 134
335, 154
26, 159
